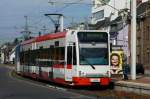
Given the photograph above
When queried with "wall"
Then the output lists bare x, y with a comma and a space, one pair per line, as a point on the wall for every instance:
112, 7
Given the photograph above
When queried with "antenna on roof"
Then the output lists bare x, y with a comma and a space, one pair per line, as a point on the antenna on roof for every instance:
57, 20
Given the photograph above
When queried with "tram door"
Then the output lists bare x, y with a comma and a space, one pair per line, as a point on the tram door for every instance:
71, 60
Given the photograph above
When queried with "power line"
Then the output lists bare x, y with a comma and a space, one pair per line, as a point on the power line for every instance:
7, 27
67, 5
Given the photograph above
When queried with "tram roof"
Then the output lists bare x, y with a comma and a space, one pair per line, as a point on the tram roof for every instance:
28, 41
51, 36
45, 37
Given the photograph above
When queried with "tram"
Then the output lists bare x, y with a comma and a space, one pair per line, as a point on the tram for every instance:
72, 57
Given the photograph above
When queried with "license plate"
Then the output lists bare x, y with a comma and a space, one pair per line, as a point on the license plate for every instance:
95, 80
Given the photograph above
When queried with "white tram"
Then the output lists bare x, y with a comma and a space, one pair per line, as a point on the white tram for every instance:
72, 57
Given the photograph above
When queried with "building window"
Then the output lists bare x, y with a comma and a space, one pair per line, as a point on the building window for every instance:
98, 15
104, 2
57, 43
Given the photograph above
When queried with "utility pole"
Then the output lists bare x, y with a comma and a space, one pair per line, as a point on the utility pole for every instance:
26, 33
133, 40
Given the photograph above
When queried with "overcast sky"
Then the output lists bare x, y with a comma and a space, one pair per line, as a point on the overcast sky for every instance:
12, 14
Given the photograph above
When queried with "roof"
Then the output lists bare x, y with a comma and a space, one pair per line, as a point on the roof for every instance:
141, 8
51, 36
28, 41
45, 37
100, 24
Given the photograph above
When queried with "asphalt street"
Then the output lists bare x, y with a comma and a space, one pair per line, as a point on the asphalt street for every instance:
13, 88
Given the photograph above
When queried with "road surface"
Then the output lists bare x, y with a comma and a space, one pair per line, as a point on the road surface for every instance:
13, 88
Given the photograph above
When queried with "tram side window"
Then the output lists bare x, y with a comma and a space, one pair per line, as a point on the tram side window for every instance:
32, 57
36, 56
21, 58
74, 56
71, 49
57, 53
44, 54
41, 53
62, 53
26, 57
52, 54
47, 56
69, 55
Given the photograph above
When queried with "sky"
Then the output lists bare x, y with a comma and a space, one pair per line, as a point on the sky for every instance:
12, 12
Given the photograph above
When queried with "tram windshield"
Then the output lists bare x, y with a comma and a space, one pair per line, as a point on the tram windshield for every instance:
94, 56
93, 48
86, 37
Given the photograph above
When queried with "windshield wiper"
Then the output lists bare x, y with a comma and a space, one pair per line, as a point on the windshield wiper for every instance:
90, 64
87, 62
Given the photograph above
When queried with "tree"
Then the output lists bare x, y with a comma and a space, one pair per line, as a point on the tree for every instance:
16, 41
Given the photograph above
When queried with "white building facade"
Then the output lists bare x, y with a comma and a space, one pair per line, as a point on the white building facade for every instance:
112, 10
102, 9
3, 58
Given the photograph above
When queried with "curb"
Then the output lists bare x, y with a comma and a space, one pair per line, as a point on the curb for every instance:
132, 87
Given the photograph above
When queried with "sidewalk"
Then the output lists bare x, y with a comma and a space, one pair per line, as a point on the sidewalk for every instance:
141, 85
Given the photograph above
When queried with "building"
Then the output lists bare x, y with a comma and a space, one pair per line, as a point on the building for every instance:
112, 9
115, 15
12, 56
4, 57
143, 34
6, 52
103, 9
112, 15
